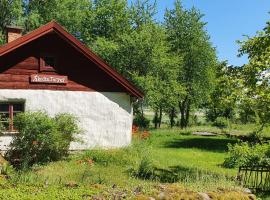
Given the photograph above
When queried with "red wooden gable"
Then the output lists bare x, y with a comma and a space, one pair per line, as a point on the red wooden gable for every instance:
20, 59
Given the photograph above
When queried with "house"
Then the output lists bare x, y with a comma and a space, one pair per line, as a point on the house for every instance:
50, 70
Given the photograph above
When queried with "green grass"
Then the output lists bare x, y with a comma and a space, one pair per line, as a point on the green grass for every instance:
233, 129
193, 162
207, 153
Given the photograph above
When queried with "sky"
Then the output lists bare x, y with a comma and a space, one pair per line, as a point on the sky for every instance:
227, 22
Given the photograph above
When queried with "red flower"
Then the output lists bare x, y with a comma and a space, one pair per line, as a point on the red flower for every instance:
145, 135
135, 129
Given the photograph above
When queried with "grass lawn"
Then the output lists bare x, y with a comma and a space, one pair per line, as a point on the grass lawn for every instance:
182, 163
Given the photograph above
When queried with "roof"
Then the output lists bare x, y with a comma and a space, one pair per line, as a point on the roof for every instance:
53, 26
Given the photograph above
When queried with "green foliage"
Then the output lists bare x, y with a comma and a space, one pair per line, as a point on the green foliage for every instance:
256, 74
172, 62
246, 113
11, 14
106, 158
188, 39
69, 13
141, 121
41, 138
7, 170
145, 170
221, 122
244, 154
121, 157
142, 12
168, 152
256, 137
222, 101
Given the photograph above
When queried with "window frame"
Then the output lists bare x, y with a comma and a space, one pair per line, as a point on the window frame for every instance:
43, 67
11, 114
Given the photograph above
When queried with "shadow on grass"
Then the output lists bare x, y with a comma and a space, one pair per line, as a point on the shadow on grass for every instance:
263, 195
179, 174
215, 144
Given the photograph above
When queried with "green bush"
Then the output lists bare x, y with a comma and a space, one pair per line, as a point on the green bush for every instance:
145, 170
140, 121
221, 122
244, 154
41, 138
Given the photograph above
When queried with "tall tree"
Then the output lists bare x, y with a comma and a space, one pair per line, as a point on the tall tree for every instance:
256, 74
188, 39
157, 75
225, 96
69, 13
11, 13
142, 12
108, 19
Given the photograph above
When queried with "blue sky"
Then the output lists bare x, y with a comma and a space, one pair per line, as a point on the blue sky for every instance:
228, 21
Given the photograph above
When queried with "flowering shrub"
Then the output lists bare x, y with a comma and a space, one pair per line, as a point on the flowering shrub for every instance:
140, 134
135, 129
145, 135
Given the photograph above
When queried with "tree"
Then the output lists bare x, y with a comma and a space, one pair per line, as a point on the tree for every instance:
142, 12
256, 75
144, 57
223, 99
11, 14
189, 40
69, 13
140, 52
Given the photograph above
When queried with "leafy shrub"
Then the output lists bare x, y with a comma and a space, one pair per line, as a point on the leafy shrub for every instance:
221, 122
140, 121
41, 138
255, 137
244, 154
6, 169
145, 170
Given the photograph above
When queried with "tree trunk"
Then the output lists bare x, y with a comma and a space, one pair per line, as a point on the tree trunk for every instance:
184, 111
160, 117
156, 119
187, 113
182, 117
172, 114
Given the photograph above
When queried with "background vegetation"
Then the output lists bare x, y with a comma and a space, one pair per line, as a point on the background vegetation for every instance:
185, 86
173, 62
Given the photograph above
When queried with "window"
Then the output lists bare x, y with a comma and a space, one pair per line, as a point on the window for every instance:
47, 63
7, 113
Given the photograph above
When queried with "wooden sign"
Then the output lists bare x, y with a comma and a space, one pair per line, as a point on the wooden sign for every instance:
49, 79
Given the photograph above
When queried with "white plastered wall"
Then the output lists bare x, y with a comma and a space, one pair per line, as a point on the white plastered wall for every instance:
105, 118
